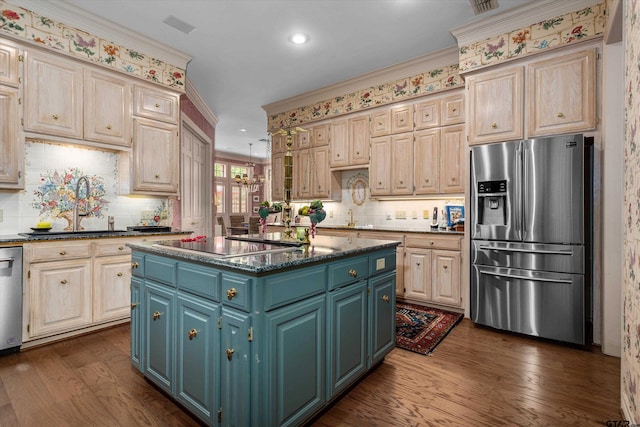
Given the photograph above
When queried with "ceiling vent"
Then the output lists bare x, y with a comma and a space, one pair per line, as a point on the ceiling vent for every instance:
179, 24
481, 6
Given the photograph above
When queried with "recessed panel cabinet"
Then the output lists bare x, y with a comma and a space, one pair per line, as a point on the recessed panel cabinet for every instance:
155, 157
9, 63
107, 113
11, 142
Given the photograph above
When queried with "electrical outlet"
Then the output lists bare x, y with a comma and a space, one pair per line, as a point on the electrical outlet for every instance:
414, 214
146, 215
401, 215
1, 215
425, 214
330, 214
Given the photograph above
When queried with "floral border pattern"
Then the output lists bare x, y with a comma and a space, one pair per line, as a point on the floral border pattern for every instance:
39, 29
630, 363
437, 80
562, 30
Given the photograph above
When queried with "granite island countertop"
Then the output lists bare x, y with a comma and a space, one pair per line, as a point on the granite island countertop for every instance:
20, 238
258, 258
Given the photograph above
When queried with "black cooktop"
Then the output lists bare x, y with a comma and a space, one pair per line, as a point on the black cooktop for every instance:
228, 246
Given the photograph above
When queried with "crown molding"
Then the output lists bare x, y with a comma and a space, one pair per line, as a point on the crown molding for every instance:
412, 67
613, 29
70, 15
513, 19
196, 99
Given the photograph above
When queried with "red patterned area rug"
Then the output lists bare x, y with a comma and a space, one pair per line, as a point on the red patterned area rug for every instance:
421, 329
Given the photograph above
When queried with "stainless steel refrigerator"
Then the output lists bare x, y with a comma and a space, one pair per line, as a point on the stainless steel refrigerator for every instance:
531, 234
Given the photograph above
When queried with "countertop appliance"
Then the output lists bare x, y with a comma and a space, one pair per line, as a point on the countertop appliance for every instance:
531, 217
10, 299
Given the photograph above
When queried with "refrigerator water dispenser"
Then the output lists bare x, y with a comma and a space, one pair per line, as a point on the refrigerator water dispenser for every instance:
492, 207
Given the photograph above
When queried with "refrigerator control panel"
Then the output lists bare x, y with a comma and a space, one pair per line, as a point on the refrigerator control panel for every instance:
492, 186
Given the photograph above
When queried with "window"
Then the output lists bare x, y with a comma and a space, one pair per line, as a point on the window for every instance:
220, 170
231, 198
220, 198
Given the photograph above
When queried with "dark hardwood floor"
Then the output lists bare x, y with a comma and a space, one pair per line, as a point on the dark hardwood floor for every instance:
476, 377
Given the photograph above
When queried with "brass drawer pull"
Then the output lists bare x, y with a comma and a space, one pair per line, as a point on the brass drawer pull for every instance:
156, 315
229, 353
386, 298
432, 243
55, 116
494, 125
121, 248
134, 265
560, 115
193, 333
63, 252
353, 273
119, 274
444, 266
231, 293
63, 281
108, 127
134, 305
157, 176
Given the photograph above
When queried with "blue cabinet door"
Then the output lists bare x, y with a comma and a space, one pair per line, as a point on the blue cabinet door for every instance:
136, 326
347, 347
159, 336
198, 356
295, 352
382, 309
235, 370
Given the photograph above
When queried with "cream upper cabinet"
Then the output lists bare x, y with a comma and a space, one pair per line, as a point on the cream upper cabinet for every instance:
325, 184
561, 94
278, 143
495, 110
401, 161
381, 123
391, 121
379, 170
302, 139
453, 149
277, 176
9, 63
155, 157
12, 143
107, 112
428, 114
320, 135
303, 168
452, 110
53, 95
339, 143
359, 138
155, 103
427, 161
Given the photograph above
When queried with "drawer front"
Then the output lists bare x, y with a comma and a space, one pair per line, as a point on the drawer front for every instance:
60, 251
109, 248
199, 280
137, 264
398, 237
381, 262
160, 270
235, 291
429, 241
282, 289
347, 271
156, 104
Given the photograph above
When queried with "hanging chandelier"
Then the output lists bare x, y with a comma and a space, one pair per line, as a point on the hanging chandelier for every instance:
254, 182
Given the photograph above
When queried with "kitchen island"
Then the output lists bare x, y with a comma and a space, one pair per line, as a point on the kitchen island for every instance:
259, 333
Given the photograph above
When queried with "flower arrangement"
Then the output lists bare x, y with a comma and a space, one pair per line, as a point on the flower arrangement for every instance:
315, 212
265, 209
56, 196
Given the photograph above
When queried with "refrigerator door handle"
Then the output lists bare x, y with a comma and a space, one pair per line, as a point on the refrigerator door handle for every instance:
533, 251
518, 190
533, 279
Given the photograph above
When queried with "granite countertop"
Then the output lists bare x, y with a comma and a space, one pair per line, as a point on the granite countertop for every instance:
392, 228
258, 258
87, 234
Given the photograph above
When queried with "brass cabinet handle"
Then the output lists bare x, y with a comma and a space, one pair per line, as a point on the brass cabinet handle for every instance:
418, 264
494, 125
63, 252
193, 333
156, 315
453, 109
121, 248
560, 114
134, 305
157, 176
386, 298
63, 281
432, 243
353, 273
401, 182
119, 274
444, 266
231, 293
108, 127
453, 178
426, 115
426, 180
229, 353
134, 265
55, 116
157, 105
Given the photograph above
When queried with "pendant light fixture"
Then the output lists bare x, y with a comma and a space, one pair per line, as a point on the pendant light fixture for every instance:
253, 182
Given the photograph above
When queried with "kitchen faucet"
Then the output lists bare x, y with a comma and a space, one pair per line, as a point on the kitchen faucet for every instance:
76, 210
351, 222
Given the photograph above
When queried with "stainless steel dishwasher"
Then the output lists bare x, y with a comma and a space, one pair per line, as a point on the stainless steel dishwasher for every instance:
10, 299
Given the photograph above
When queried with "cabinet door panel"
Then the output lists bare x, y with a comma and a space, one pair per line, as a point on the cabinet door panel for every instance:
54, 95
9, 63
446, 277
453, 152
428, 114
295, 361
156, 154
11, 144
382, 303
159, 335
427, 161
402, 119
347, 344
304, 170
157, 104
136, 323
111, 293
320, 135
381, 123
402, 159
198, 356
453, 110
417, 274
359, 140
107, 114
324, 184
277, 176
235, 371
495, 106
339, 143
379, 170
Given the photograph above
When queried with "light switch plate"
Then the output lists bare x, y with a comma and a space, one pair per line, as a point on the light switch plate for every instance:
401, 215
425, 214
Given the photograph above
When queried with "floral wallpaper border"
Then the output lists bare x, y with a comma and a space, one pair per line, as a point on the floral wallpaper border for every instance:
583, 24
630, 363
436, 80
39, 29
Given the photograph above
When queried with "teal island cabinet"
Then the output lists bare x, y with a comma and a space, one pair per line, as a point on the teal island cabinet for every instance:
255, 332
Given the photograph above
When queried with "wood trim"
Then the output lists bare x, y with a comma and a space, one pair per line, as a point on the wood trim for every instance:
200, 104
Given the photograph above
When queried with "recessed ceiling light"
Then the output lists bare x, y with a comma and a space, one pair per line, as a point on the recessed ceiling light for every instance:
299, 38
243, 130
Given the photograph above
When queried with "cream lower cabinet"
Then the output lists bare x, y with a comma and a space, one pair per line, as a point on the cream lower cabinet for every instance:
111, 288
432, 266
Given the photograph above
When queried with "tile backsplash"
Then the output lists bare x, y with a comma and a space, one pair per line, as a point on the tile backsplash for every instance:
51, 173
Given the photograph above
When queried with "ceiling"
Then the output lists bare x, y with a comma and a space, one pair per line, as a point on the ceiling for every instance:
242, 59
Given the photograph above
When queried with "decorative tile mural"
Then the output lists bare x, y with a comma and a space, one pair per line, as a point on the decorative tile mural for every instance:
562, 30
630, 374
443, 78
39, 29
